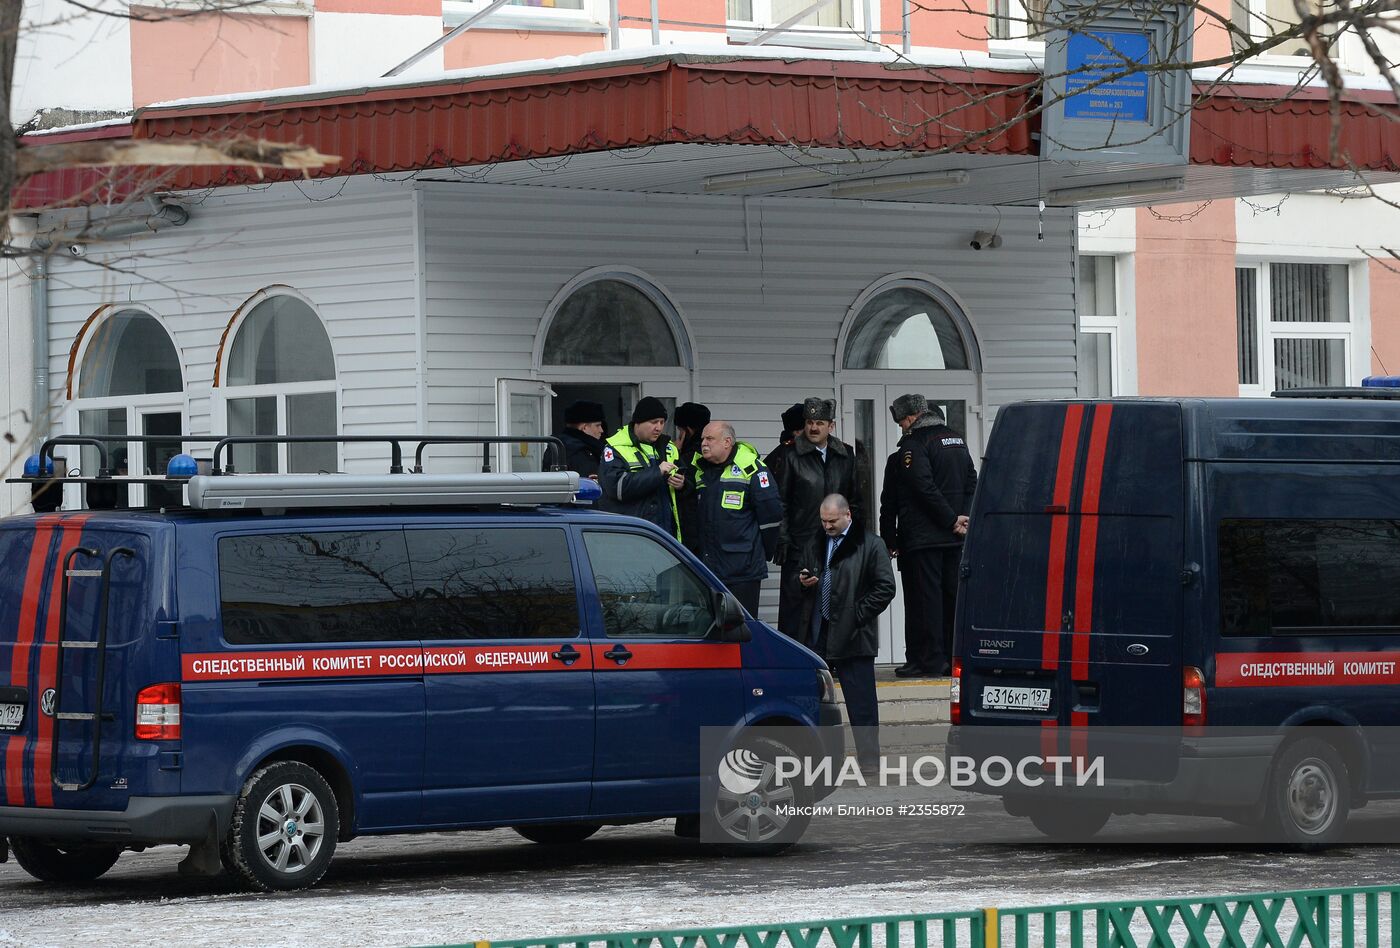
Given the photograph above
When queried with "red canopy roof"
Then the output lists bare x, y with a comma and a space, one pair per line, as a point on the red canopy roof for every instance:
688, 98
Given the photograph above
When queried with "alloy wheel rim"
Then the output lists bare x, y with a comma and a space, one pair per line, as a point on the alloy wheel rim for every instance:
755, 817
291, 828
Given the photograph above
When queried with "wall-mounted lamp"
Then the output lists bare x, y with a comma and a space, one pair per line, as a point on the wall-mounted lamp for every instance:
774, 178
1116, 189
899, 184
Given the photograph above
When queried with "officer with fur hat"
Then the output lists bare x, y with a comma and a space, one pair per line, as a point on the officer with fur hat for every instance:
582, 438
817, 466
929, 480
640, 472
793, 423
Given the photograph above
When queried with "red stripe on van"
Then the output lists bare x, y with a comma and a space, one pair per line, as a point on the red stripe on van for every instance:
48, 662
1088, 543
19, 674
1059, 538
669, 656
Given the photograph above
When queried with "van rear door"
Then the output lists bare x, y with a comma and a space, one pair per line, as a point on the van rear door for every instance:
1071, 597
35, 553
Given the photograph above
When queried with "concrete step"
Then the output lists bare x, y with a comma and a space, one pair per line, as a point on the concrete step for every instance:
911, 701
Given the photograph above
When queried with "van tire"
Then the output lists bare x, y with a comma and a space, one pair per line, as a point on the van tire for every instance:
1067, 822
285, 797
557, 834
1309, 794
63, 863
755, 829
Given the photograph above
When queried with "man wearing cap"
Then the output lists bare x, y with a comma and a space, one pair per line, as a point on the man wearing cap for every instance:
639, 473
582, 438
691, 419
929, 480
738, 512
817, 466
793, 423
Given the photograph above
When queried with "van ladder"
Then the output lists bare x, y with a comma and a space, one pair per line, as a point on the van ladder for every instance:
59, 715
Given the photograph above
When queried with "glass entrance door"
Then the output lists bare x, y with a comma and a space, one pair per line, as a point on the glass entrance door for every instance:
522, 408
865, 419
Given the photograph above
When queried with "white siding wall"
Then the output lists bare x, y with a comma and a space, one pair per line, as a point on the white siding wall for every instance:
352, 252
765, 321
16, 377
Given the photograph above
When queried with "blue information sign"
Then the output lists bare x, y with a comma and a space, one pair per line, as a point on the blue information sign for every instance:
1093, 55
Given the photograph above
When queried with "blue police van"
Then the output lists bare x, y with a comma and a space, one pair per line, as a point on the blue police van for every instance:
1214, 583
292, 661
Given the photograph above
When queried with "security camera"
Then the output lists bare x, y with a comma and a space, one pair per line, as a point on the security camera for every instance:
77, 250
985, 240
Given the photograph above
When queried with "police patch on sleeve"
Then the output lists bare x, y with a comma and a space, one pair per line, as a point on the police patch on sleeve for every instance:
607, 454
908, 458
762, 478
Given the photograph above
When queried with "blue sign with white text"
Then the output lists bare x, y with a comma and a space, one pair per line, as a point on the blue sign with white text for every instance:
1093, 56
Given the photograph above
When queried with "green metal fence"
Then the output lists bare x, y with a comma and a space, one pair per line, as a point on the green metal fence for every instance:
1317, 918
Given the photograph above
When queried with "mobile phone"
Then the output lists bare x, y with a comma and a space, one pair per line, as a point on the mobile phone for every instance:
806, 572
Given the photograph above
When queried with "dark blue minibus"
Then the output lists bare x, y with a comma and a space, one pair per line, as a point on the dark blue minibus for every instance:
1216, 580
292, 661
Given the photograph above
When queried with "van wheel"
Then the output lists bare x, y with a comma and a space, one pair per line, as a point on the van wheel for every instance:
284, 828
1309, 793
1068, 822
747, 817
63, 863
558, 834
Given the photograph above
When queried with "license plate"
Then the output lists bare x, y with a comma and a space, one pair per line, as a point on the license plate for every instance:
1004, 698
11, 716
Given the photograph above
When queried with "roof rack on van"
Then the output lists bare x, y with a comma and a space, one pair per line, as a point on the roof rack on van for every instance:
1372, 386
213, 486
1381, 394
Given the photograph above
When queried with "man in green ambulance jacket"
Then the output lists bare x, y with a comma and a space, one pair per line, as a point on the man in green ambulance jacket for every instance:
640, 472
739, 512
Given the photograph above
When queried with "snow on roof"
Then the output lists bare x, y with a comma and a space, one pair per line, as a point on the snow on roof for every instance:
1028, 61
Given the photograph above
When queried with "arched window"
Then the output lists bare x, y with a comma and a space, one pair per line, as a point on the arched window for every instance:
129, 382
130, 354
280, 380
905, 328
611, 322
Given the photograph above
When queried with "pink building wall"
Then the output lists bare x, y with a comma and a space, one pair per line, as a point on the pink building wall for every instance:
214, 54
1385, 317
482, 47
1185, 276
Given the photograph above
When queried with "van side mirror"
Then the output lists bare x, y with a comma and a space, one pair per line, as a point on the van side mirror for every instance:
730, 618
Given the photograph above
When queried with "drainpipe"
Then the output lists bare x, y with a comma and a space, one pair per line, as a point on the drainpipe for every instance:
23, 232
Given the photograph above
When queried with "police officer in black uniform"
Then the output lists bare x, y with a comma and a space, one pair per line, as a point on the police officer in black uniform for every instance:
738, 512
582, 438
929, 480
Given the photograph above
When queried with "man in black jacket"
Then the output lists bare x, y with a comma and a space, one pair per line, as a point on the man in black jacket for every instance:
584, 423
853, 584
929, 481
818, 465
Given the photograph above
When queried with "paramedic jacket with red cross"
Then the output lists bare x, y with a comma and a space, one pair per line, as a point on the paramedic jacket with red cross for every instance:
739, 513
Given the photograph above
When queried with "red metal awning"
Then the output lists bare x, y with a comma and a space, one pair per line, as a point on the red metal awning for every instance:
812, 103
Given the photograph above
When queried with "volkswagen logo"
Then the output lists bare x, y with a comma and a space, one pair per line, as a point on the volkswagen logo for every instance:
1138, 649
46, 702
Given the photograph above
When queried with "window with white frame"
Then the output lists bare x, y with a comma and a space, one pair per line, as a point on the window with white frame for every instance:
280, 380
1018, 19
1294, 326
1260, 19
838, 14
455, 11
1100, 327
130, 383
